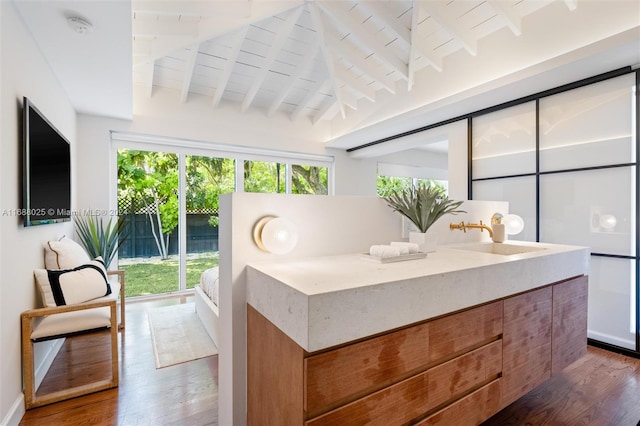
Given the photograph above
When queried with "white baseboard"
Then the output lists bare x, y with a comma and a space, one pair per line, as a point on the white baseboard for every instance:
44, 365
612, 340
15, 414
17, 410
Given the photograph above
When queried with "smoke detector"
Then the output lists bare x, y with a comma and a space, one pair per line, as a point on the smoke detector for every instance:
80, 25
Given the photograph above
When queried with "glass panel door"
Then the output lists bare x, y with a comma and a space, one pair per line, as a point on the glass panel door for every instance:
206, 179
504, 142
148, 202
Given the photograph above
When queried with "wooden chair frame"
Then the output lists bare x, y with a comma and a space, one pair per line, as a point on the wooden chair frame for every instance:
31, 399
120, 274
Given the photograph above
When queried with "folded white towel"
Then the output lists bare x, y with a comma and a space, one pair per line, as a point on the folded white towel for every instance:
411, 247
383, 251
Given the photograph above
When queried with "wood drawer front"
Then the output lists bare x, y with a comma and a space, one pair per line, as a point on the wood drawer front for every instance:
411, 398
569, 338
527, 343
472, 409
452, 334
344, 374
453, 378
397, 404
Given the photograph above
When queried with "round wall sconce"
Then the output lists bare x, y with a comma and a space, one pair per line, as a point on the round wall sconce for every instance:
607, 222
275, 235
513, 224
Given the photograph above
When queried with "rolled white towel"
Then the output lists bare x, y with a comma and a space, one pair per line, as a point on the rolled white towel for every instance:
411, 247
383, 251
403, 249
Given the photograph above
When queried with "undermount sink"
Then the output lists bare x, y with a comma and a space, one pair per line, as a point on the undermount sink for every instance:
504, 249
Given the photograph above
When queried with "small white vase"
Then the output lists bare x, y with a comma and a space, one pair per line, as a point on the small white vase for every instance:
427, 243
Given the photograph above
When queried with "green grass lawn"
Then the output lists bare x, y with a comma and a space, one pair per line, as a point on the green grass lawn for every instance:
162, 276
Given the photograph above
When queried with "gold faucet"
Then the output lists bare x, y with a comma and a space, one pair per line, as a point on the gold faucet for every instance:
464, 227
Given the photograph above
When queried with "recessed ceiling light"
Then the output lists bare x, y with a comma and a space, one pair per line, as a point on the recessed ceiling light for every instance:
79, 25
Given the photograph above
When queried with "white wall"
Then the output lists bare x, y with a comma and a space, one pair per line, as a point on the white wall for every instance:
24, 72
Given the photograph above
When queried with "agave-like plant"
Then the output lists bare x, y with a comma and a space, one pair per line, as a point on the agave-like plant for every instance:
99, 239
423, 205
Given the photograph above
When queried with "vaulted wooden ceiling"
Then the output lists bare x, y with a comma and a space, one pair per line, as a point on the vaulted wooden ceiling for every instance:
313, 60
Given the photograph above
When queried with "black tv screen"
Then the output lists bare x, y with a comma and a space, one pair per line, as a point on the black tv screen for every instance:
46, 183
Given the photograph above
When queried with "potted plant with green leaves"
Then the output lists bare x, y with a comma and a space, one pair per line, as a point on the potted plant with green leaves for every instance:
99, 238
423, 206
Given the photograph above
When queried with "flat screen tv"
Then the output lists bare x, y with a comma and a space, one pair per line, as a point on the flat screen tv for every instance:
46, 169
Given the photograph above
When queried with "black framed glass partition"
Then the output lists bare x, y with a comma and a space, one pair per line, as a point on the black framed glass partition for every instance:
566, 161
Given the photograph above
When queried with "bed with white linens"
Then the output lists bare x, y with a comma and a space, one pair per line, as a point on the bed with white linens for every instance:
206, 301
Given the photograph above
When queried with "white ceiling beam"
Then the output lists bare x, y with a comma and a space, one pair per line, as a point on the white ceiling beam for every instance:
368, 40
228, 67
316, 17
571, 4
435, 8
425, 52
354, 83
281, 37
145, 70
320, 85
508, 14
365, 65
301, 70
417, 50
188, 71
349, 99
381, 13
329, 109
413, 45
213, 8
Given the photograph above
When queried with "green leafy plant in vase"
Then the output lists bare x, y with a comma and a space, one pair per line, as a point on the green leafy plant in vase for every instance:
423, 206
98, 238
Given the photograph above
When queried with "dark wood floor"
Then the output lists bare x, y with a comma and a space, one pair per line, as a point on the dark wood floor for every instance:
602, 388
183, 394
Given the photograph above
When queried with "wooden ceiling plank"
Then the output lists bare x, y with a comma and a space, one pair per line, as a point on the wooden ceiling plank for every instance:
358, 31
295, 114
215, 8
382, 14
228, 68
301, 70
451, 25
281, 38
355, 83
364, 65
165, 28
214, 27
188, 71
508, 14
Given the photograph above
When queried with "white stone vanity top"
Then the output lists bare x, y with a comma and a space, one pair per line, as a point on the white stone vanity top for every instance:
325, 301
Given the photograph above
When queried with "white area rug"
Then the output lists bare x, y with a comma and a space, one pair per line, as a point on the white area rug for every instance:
178, 335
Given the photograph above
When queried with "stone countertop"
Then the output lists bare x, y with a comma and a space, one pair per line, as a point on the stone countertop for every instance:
326, 301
